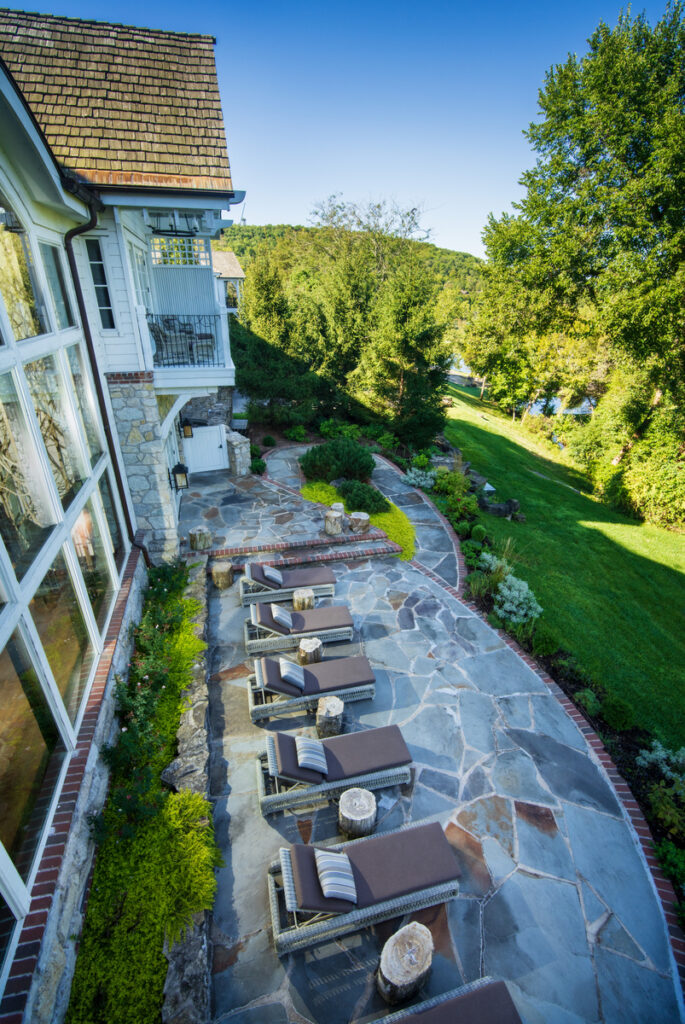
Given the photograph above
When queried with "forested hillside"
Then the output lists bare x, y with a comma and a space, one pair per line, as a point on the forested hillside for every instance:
462, 271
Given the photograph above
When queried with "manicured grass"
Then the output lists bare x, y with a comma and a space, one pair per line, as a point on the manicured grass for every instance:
394, 523
612, 589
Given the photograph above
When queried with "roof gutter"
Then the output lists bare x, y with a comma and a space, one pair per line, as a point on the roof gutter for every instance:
94, 205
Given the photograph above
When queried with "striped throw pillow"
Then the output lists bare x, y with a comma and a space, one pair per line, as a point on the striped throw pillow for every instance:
281, 616
311, 754
275, 575
335, 875
291, 673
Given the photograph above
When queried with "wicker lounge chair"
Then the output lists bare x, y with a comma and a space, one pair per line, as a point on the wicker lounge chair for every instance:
395, 873
254, 585
482, 1002
263, 633
270, 696
373, 758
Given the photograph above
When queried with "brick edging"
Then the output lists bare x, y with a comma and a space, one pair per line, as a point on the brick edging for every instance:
664, 887
291, 545
26, 954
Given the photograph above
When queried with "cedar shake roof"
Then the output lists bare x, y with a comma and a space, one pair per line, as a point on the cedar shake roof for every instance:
226, 264
121, 106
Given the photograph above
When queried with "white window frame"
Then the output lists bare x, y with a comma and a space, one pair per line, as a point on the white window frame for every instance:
100, 239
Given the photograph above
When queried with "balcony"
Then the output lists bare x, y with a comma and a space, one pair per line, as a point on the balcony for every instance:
179, 340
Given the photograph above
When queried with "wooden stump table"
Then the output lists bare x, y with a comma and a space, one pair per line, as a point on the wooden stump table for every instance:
200, 538
405, 962
222, 575
333, 523
303, 599
329, 716
357, 812
310, 651
360, 522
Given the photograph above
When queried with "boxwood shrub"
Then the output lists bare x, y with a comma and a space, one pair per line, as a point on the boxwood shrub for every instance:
340, 457
360, 497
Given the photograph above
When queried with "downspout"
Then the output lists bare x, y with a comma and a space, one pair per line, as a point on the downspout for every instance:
104, 413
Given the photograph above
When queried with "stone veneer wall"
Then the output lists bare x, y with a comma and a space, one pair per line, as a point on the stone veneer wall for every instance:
136, 414
40, 979
211, 409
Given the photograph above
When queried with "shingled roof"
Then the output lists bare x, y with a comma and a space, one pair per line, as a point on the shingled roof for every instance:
121, 106
226, 264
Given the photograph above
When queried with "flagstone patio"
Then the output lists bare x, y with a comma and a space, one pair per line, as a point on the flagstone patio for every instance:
555, 896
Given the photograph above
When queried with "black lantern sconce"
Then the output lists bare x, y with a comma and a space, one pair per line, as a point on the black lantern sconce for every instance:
180, 476
185, 428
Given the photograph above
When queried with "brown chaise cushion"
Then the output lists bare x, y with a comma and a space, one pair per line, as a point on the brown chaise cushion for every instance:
490, 1004
384, 868
336, 616
334, 674
353, 753
314, 577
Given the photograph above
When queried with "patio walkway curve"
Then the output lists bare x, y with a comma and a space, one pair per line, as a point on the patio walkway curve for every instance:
555, 895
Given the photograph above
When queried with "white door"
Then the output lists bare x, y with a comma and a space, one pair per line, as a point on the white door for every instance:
206, 450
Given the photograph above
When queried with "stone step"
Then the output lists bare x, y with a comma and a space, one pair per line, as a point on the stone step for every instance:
307, 544
366, 547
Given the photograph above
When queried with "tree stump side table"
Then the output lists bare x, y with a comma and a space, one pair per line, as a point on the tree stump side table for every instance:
329, 716
310, 651
405, 962
303, 599
222, 575
357, 812
333, 523
200, 538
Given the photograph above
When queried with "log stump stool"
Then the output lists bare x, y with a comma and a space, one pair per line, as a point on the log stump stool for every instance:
329, 716
333, 523
303, 599
405, 962
310, 651
222, 575
200, 538
357, 812
360, 522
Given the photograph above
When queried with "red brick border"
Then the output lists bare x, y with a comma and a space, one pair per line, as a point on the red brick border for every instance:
43, 890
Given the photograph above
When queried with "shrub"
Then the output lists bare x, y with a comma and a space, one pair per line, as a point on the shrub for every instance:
451, 483
498, 567
616, 713
471, 550
670, 763
672, 861
255, 451
515, 601
340, 457
258, 466
461, 507
481, 584
268, 441
361, 497
478, 532
421, 461
462, 528
420, 478
296, 433
388, 441
589, 700
329, 428
668, 805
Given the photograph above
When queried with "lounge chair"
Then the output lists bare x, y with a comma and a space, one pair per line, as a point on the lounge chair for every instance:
395, 873
270, 696
373, 758
255, 586
263, 633
482, 1002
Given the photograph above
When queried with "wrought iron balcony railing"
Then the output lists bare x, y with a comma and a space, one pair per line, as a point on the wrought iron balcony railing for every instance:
180, 340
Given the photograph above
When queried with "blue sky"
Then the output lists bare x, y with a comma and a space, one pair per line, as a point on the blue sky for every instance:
423, 104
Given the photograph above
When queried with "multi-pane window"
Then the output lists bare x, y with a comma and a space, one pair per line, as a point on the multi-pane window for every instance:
18, 284
141, 280
58, 426
33, 754
180, 252
90, 551
26, 515
115, 534
60, 297
62, 629
83, 394
97, 270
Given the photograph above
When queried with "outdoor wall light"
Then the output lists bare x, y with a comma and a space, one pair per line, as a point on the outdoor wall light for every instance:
180, 475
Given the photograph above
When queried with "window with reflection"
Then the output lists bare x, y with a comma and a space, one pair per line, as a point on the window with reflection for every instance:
31, 755
52, 262
26, 516
57, 425
8, 923
83, 393
115, 535
18, 284
63, 633
90, 551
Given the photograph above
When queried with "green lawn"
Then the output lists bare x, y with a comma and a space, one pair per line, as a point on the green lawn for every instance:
612, 589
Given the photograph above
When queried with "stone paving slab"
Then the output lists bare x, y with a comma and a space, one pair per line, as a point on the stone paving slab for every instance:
555, 896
